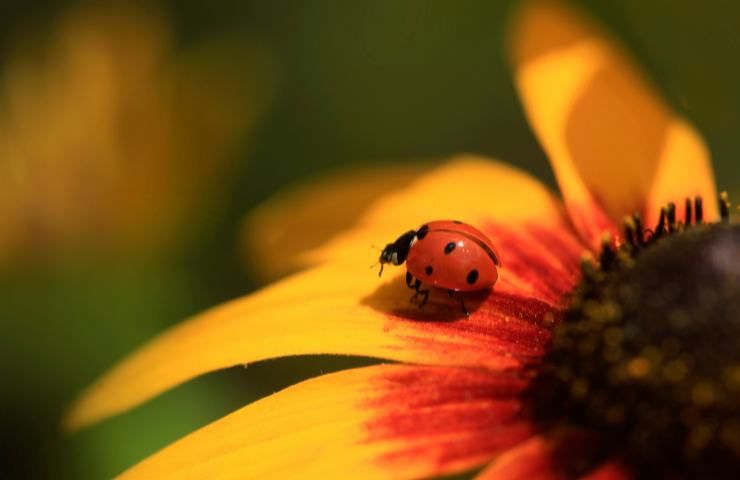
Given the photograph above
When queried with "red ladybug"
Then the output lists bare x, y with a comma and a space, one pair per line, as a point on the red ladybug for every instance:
446, 254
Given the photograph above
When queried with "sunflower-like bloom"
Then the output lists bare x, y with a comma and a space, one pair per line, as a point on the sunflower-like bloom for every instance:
106, 108
617, 364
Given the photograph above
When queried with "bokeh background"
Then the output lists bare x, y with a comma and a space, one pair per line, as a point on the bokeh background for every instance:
134, 139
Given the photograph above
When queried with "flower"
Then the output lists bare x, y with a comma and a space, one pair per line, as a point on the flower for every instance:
496, 388
106, 107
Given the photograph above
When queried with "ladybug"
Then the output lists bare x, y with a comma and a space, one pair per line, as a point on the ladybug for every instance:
446, 254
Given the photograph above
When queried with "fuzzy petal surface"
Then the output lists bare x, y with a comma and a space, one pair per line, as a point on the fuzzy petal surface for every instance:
385, 421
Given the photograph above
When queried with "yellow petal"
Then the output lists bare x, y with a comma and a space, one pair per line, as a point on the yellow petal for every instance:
614, 144
684, 171
470, 188
386, 421
343, 308
278, 233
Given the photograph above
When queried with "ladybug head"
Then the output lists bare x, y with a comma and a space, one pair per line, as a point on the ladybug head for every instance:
397, 251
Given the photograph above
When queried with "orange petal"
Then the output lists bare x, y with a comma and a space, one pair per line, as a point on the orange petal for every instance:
553, 456
386, 421
343, 308
278, 233
615, 146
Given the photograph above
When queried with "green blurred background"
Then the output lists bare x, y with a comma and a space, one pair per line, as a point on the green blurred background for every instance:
294, 89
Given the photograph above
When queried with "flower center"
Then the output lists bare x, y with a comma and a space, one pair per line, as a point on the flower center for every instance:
649, 352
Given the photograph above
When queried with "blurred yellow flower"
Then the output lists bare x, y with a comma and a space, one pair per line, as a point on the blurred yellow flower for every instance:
110, 136
617, 368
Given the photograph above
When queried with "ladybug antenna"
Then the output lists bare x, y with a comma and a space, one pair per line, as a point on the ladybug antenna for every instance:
375, 247
381, 267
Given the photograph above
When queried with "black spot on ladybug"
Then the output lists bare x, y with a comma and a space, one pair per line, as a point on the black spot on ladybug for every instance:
428, 269
450, 247
472, 276
457, 221
422, 232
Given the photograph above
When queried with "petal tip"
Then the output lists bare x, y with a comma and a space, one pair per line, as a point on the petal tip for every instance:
77, 416
71, 421
540, 26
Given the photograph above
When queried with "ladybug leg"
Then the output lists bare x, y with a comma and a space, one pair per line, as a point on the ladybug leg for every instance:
410, 283
462, 302
417, 287
426, 297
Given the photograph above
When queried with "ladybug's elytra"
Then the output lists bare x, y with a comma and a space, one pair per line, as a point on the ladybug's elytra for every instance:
446, 254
